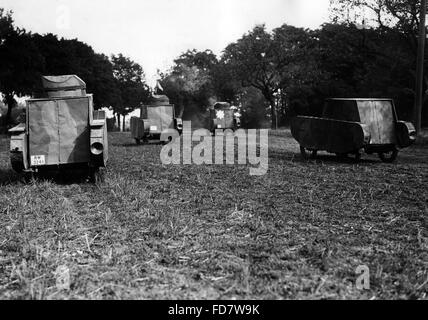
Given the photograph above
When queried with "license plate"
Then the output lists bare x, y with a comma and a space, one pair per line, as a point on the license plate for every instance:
153, 128
38, 160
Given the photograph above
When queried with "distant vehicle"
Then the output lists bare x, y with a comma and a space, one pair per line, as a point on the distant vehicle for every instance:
222, 117
61, 131
155, 119
350, 126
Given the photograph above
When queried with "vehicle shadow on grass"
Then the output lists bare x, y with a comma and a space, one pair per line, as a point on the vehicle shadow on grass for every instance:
142, 145
128, 145
404, 158
9, 177
328, 158
324, 158
61, 177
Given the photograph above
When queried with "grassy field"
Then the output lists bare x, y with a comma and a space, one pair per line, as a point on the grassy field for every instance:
214, 232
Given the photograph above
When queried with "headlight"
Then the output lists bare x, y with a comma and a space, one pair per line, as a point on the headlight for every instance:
97, 148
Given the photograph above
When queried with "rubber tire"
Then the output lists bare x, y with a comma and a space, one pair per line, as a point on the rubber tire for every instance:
137, 141
17, 161
96, 175
305, 155
357, 156
391, 159
167, 141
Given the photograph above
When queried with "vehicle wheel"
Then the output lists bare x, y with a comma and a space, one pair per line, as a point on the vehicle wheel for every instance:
17, 161
305, 153
137, 141
96, 175
388, 157
357, 156
167, 141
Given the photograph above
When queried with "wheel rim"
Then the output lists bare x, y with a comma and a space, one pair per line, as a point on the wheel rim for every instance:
357, 156
303, 153
308, 154
342, 155
389, 156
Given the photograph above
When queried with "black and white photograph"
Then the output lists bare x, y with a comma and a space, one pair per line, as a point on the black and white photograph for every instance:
226, 153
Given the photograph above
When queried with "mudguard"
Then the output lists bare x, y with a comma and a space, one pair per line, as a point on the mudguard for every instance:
329, 135
179, 124
137, 128
98, 140
18, 143
406, 134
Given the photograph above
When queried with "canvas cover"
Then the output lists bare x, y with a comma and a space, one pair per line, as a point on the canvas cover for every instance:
137, 128
223, 118
58, 131
378, 115
64, 86
326, 134
161, 117
345, 110
221, 105
159, 100
63, 82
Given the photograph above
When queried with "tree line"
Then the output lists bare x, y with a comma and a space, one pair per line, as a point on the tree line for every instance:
368, 49
115, 81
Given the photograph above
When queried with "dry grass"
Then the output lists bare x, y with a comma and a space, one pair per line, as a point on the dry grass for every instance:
214, 232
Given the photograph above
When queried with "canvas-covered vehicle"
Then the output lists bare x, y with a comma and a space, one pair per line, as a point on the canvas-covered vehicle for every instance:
350, 126
154, 119
61, 131
222, 117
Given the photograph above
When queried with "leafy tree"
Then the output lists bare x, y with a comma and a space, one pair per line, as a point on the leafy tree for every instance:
20, 59
226, 86
253, 60
63, 56
299, 69
396, 24
254, 108
130, 81
268, 62
190, 84
399, 15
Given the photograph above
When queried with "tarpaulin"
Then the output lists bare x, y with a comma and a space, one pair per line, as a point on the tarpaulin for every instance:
59, 131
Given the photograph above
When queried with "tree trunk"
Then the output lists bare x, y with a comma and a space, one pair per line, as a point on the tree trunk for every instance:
274, 113
123, 123
118, 121
10, 102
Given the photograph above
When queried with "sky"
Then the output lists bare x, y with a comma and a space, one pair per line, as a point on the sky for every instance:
155, 32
